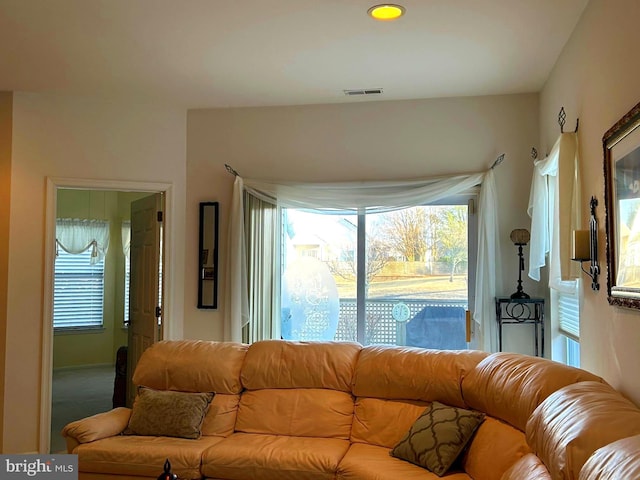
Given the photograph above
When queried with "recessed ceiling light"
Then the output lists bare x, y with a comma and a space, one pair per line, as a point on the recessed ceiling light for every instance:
387, 11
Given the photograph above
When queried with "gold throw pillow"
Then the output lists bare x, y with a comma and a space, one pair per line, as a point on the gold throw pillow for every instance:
165, 413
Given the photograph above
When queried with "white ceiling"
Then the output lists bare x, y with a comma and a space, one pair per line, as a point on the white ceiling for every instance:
210, 53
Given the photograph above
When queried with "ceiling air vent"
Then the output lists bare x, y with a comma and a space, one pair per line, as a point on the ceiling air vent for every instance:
367, 91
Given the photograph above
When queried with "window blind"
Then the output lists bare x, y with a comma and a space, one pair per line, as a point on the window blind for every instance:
127, 287
78, 295
569, 314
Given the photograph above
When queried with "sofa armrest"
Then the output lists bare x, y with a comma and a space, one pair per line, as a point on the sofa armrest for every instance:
101, 425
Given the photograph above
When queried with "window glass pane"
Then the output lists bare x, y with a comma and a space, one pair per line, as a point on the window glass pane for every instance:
414, 277
78, 290
417, 277
573, 352
319, 276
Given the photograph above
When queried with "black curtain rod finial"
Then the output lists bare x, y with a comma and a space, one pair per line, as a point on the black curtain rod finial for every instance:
498, 161
562, 119
231, 170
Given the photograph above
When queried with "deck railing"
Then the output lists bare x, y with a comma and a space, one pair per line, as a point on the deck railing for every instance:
380, 326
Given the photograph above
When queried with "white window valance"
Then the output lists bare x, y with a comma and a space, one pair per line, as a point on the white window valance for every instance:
369, 197
366, 197
75, 236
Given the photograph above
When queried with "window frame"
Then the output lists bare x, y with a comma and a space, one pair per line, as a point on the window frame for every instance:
469, 199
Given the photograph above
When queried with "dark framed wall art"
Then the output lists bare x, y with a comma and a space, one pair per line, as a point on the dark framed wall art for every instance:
622, 202
208, 256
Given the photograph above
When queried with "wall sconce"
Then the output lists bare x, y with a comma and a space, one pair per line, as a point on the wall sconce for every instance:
520, 237
585, 247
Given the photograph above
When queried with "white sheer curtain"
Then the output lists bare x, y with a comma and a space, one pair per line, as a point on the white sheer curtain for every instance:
237, 315
554, 208
75, 236
370, 197
489, 265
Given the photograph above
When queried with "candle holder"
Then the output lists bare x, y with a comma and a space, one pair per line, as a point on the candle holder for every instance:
520, 237
579, 249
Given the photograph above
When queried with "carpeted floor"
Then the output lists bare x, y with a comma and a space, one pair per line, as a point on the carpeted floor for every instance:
78, 393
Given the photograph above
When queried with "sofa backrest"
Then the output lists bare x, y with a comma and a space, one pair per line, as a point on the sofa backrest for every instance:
575, 421
192, 366
282, 364
393, 386
619, 460
298, 388
197, 366
510, 386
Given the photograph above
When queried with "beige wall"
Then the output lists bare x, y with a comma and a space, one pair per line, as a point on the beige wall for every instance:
74, 138
6, 114
359, 141
596, 79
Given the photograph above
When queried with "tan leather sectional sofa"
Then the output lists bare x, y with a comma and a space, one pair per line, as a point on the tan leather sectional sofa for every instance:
285, 410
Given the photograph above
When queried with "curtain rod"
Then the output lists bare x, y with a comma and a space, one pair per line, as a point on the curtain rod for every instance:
498, 161
231, 170
562, 119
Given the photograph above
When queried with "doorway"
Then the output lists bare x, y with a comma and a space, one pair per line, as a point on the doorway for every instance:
82, 357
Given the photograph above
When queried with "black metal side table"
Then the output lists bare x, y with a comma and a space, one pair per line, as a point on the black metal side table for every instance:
521, 311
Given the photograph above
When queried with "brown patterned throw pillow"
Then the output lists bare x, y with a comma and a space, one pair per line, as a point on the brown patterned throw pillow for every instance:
438, 436
164, 413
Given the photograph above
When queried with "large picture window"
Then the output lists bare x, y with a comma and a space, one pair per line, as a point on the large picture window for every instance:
399, 277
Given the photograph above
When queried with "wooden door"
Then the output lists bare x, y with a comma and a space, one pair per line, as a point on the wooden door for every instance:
145, 310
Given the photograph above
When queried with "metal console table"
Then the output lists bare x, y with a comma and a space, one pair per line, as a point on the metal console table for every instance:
521, 311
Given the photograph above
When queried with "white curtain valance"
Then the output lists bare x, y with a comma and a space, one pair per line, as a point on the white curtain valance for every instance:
369, 197
75, 236
352, 197
554, 208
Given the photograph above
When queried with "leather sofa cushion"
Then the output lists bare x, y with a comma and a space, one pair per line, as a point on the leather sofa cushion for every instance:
575, 421
271, 457
529, 467
510, 386
304, 412
221, 416
371, 462
143, 456
619, 460
495, 447
384, 422
168, 365
407, 373
277, 364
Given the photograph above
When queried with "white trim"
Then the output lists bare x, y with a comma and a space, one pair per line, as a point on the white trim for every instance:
172, 324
